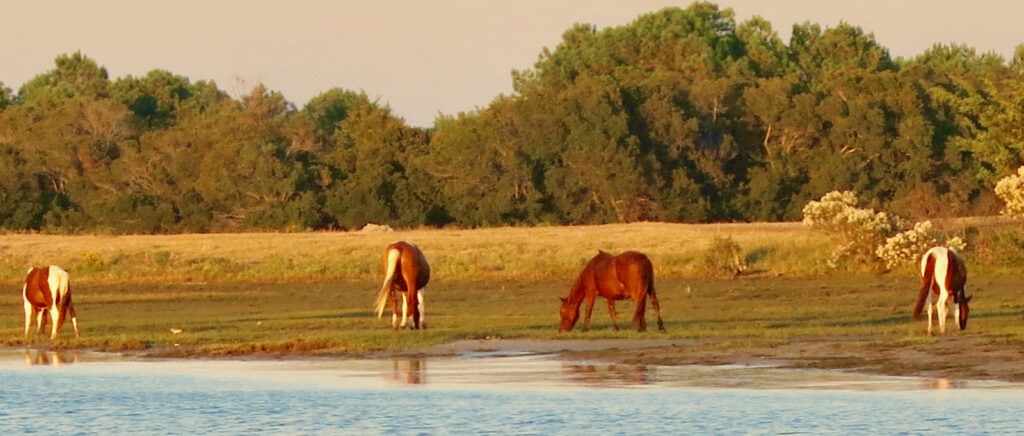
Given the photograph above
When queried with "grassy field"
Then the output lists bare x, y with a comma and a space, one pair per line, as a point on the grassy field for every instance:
240, 294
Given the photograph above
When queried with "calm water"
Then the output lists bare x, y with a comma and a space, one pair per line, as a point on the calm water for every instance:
98, 394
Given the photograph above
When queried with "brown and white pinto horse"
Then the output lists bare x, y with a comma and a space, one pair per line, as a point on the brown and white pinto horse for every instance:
943, 275
405, 271
628, 275
47, 292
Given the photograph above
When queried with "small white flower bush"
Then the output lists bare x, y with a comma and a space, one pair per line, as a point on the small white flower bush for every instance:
1011, 190
908, 246
867, 235
859, 230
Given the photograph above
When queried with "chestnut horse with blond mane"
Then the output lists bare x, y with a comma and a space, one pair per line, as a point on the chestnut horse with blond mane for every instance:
405, 271
628, 275
943, 275
47, 293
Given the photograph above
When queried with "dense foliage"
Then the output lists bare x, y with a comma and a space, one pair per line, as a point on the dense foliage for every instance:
681, 115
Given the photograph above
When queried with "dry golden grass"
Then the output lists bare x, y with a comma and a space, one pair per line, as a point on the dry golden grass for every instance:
505, 253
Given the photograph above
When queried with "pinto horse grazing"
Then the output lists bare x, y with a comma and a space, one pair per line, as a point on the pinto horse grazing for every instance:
406, 271
628, 275
943, 274
47, 292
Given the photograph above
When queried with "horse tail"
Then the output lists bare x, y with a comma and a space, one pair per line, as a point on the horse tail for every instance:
391, 264
927, 279
649, 278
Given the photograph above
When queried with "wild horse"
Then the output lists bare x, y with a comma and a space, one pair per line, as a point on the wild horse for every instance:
405, 271
47, 293
943, 275
628, 275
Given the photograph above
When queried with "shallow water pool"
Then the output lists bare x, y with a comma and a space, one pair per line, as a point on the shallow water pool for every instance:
91, 393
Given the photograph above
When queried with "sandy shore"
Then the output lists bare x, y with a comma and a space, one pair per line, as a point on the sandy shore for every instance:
952, 357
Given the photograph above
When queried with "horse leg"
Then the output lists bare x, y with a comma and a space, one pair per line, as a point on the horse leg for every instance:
56, 319
394, 310
405, 310
640, 315
940, 308
590, 310
29, 312
611, 311
422, 311
413, 298
410, 276
41, 319
74, 319
956, 314
657, 311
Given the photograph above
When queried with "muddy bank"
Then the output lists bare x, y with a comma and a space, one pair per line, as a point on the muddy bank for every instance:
951, 357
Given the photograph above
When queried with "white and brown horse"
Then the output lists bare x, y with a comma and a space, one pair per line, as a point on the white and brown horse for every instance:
47, 293
943, 275
405, 271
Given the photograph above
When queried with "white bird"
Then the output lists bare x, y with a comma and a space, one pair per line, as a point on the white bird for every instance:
175, 331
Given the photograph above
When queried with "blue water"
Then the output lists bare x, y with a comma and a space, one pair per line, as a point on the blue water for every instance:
482, 394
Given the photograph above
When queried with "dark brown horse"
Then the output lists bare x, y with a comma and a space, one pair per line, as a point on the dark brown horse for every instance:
47, 293
405, 271
628, 275
943, 275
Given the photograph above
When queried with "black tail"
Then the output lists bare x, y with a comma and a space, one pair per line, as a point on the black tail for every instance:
927, 279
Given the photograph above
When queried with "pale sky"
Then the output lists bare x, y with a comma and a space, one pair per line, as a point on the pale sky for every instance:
420, 57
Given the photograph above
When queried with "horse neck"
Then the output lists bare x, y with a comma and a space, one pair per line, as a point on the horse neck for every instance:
577, 293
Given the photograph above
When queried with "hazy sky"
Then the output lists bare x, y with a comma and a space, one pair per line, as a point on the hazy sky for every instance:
420, 57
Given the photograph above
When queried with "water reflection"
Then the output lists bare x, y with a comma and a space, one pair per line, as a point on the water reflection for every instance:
409, 371
49, 358
606, 374
943, 384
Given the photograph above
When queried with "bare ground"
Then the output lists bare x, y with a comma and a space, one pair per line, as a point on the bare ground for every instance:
952, 357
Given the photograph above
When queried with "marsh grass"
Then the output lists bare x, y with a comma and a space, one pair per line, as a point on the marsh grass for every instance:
311, 293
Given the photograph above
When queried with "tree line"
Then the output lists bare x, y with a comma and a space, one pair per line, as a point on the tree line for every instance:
683, 115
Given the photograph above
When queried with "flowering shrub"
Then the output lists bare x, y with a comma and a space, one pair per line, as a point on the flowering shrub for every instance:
908, 246
1011, 190
867, 235
859, 230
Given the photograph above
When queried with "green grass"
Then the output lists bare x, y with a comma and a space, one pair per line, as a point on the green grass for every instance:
335, 317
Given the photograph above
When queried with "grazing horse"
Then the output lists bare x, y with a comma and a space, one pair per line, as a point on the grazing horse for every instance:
47, 292
628, 275
943, 275
406, 271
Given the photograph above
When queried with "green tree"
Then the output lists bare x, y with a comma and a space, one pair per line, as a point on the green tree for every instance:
375, 153
482, 169
156, 98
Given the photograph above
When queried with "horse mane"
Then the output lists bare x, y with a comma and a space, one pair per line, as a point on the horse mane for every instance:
579, 288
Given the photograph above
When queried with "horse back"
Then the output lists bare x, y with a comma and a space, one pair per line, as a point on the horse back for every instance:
411, 262
625, 275
636, 269
956, 274
37, 287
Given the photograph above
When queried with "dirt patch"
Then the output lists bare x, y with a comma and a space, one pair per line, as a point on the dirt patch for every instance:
951, 357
